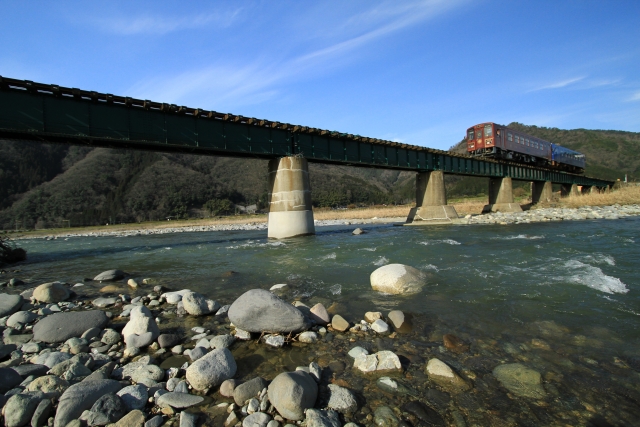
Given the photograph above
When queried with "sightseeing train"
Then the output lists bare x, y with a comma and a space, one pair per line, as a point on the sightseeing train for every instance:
500, 142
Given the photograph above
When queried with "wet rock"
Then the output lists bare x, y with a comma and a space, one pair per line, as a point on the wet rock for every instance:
197, 305
179, 400
247, 390
168, 340
9, 304
134, 396
341, 399
212, 369
140, 322
453, 343
339, 324
110, 408
322, 418
51, 385
221, 341
60, 327
80, 397
109, 276
21, 317
308, 337
257, 419
259, 310
397, 279
274, 340
383, 416
132, 283
393, 386
424, 413
19, 409
291, 393
319, 314
358, 231
520, 380
440, 373
51, 292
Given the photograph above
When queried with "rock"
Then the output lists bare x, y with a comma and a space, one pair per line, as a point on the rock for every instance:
341, 399
381, 361
210, 370
111, 337
274, 340
242, 334
383, 416
110, 289
179, 400
110, 407
9, 304
380, 326
197, 353
52, 386
148, 375
319, 314
293, 392
6, 350
132, 419
308, 337
397, 318
132, 283
109, 276
440, 373
358, 231
174, 297
53, 358
80, 397
22, 317
231, 420
197, 305
31, 369
520, 380
453, 343
139, 341
372, 316
168, 340
51, 292
188, 419
339, 324
104, 302
8, 379
60, 327
19, 409
247, 390
259, 310
92, 333
424, 413
257, 419
134, 396
221, 341
140, 322
227, 388
41, 414
15, 282
397, 279
322, 418
156, 421
76, 371
30, 347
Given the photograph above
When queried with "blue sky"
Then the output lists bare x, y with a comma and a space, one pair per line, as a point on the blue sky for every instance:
419, 72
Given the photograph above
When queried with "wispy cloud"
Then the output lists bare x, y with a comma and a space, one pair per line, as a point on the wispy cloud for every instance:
558, 84
635, 97
158, 25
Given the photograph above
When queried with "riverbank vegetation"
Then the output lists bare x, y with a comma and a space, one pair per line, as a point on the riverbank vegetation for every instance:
9, 253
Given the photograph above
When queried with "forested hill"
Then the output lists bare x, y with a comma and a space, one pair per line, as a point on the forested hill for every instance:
44, 185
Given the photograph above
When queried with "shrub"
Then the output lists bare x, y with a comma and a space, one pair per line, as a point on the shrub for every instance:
9, 253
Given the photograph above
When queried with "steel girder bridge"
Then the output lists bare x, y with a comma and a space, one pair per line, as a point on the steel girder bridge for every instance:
54, 114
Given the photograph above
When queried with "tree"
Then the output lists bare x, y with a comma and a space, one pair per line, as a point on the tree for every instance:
219, 206
9, 253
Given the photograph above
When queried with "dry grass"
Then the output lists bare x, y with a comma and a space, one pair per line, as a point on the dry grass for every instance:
364, 213
628, 195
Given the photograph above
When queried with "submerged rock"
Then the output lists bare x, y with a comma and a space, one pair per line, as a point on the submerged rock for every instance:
259, 310
520, 380
397, 279
440, 373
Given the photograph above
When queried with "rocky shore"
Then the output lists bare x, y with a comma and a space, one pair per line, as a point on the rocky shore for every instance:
268, 359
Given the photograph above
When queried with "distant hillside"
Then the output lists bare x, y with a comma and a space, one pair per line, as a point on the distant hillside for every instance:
42, 185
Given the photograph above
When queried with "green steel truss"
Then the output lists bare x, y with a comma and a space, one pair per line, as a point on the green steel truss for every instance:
50, 113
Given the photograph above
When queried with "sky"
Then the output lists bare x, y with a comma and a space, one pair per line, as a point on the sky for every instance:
418, 72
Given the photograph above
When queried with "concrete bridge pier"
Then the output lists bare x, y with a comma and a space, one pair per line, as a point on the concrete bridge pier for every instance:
290, 211
541, 191
431, 199
501, 196
587, 189
569, 190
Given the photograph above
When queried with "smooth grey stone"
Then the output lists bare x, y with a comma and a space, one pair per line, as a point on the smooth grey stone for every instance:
148, 375
198, 305
293, 392
181, 387
9, 378
109, 275
110, 406
197, 353
102, 373
179, 400
325, 418
20, 408
80, 397
29, 369
156, 421
110, 337
168, 340
258, 310
91, 333
139, 341
9, 304
6, 349
23, 317
257, 419
134, 396
247, 390
187, 419
221, 341
41, 414
17, 339
53, 358
341, 399
212, 369
60, 327
102, 302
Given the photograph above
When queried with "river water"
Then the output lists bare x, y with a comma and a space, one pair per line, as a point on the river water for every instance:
563, 298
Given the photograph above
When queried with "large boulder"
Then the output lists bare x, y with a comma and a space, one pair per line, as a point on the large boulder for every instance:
258, 310
51, 292
9, 304
212, 369
140, 322
109, 276
197, 305
60, 327
397, 279
80, 397
20, 408
293, 392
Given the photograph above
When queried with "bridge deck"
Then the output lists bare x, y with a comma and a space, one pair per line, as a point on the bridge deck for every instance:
50, 113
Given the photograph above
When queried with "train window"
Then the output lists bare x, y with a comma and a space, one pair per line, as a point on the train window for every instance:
517, 139
527, 141
488, 131
510, 136
470, 134
479, 134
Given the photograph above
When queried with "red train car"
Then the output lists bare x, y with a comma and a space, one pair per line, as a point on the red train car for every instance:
494, 140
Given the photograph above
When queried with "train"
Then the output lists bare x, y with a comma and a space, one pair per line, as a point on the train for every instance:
500, 142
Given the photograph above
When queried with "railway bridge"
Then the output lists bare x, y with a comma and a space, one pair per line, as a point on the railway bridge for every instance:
54, 114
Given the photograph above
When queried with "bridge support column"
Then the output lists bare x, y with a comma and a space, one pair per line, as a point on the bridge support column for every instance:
587, 189
290, 211
431, 199
501, 196
541, 191
569, 190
